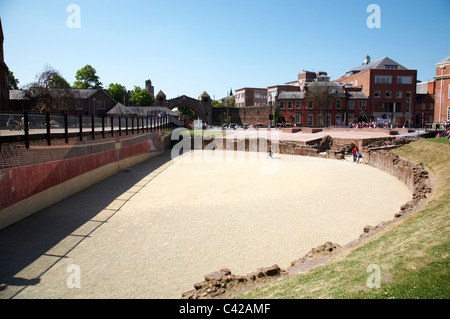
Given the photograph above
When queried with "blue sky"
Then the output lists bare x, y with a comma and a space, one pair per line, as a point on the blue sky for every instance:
187, 47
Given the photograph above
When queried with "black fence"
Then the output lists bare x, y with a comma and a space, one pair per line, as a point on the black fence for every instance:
23, 127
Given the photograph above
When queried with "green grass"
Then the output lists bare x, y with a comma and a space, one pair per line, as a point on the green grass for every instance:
412, 253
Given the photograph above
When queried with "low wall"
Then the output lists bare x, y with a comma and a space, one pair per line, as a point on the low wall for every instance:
65, 171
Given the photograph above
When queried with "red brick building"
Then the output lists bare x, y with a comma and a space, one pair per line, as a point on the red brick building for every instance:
4, 88
442, 92
322, 103
390, 88
425, 101
76, 101
250, 97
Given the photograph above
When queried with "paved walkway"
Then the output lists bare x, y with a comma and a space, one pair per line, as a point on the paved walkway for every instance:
155, 230
33, 246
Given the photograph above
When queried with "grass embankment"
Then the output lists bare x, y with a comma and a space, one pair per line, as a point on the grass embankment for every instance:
413, 253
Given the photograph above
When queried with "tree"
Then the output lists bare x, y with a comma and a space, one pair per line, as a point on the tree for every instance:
116, 91
216, 104
142, 97
50, 91
231, 102
86, 78
276, 117
185, 111
12, 81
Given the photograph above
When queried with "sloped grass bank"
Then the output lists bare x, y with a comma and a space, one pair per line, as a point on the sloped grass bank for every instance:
411, 254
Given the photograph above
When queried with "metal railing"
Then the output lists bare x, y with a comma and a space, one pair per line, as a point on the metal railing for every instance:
30, 126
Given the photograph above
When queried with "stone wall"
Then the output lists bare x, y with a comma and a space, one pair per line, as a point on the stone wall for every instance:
249, 114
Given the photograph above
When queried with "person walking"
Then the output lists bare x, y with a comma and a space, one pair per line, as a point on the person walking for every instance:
270, 152
355, 150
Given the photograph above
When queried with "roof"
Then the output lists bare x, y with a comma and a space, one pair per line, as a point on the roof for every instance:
291, 95
421, 96
352, 95
248, 88
74, 93
120, 109
445, 61
378, 64
204, 94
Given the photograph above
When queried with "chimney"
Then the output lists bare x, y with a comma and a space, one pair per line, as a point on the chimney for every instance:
367, 59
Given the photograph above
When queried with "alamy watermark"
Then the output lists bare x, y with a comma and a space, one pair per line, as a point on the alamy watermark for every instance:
218, 147
374, 279
374, 19
74, 279
74, 19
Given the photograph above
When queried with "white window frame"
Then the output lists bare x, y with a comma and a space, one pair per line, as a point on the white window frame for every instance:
404, 79
383, 79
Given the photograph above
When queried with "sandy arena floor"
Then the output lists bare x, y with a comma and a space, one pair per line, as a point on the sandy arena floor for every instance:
197, 215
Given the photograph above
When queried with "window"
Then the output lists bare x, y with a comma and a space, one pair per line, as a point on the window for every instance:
100, 104
351, 118
408, 101
297, 105
449, 91
310, 119
79, 105
338, 104
377, 94
391, 66
282, 105
338, 119
383, 79
362, 105
310, 105
328, 105
290, 105
388, 94
404, 79
351, 105
448, 113
297, 118
431, 106
399, 94
423, 106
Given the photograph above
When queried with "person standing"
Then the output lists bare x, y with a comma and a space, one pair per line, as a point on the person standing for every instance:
355, 151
